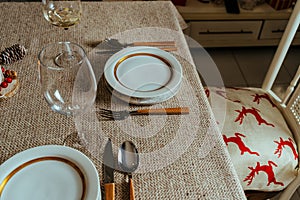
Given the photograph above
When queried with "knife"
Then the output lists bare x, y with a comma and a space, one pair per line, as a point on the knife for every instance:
112, 51
108, 166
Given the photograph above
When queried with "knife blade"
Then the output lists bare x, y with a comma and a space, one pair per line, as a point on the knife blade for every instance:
108, 168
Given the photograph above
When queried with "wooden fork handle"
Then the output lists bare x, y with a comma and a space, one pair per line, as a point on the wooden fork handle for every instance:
154, 44
163, 111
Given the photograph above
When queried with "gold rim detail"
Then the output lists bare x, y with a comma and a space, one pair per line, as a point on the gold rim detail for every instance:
47, 158
141, 54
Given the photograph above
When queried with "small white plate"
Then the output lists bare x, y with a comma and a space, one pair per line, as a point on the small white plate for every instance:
144, 73
47, 173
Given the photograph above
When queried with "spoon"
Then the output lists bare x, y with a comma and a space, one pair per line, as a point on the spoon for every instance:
128, 160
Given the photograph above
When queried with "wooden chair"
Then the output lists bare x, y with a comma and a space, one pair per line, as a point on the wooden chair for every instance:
288, 107
290, 103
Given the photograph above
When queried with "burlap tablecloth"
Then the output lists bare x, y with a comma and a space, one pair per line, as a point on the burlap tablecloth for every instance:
181, 157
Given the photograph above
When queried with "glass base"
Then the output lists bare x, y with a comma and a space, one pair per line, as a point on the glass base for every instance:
71, 57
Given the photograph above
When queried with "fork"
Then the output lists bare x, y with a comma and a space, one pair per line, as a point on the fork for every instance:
120, 115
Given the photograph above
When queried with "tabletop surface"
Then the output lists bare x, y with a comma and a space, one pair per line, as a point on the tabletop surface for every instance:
181, 157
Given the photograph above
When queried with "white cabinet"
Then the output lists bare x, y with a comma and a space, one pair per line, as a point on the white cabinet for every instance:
211, 26
209, 32
273, 29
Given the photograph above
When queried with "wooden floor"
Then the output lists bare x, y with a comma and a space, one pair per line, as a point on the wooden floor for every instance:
247, 67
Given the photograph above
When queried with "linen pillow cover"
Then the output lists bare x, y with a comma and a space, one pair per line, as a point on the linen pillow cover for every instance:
258, 139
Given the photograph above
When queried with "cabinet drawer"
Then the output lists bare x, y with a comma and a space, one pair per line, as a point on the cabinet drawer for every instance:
225, 30
273, 29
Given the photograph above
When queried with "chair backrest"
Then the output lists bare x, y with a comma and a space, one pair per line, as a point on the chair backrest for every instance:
290, 103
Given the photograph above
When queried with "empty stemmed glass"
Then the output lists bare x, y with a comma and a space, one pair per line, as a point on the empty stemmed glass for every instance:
69, 86
62, 13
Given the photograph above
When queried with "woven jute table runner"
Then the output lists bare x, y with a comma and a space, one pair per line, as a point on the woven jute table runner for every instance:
181, 157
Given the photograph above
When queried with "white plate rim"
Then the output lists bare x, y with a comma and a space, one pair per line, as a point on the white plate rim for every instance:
113, 83
78, 158
142, 101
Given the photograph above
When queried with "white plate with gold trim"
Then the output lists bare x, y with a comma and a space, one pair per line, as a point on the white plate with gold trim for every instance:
144, 73
47, 173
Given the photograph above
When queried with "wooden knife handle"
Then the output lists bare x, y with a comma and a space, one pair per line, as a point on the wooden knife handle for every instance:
163, 111
131, 189
162, 43
168, 48
109, 189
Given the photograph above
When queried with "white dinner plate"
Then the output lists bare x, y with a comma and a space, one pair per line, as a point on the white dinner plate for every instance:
143, 73
47, 173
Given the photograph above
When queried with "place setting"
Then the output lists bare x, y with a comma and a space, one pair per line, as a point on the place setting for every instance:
140, 73
100, 74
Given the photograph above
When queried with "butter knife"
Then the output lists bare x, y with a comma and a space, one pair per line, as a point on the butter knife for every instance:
108, 167
110, 45
114, 43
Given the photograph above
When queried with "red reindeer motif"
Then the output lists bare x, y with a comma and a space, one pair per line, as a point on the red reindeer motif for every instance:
238, 140
207, 92
258, 97
268, 169
282, 143
254, 112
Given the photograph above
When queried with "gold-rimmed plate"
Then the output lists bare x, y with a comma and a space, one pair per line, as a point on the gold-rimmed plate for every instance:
141, 101
143, 73
49, 172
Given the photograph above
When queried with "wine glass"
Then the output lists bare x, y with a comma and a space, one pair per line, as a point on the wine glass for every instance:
62, 13
69, 86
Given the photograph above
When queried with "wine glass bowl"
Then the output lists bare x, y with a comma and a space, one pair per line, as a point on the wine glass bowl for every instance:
62, 13
68, 85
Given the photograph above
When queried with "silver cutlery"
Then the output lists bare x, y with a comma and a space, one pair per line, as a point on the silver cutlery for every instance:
120, 115
114, 45
108, 168
128, 160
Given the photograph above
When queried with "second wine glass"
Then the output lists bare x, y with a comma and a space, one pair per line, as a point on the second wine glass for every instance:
62, 13
69, 86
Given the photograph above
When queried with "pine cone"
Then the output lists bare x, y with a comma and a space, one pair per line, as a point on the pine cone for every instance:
12, 54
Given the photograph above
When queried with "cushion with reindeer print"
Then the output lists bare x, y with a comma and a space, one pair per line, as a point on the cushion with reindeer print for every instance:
258, 139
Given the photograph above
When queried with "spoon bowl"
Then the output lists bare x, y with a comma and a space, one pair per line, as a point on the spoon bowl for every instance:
128, 157
128, 160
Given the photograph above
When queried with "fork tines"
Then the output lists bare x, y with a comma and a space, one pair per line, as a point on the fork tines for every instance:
112, 114
106, 113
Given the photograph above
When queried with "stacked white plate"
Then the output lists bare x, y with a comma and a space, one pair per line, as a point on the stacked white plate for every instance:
143, 75
47, 173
